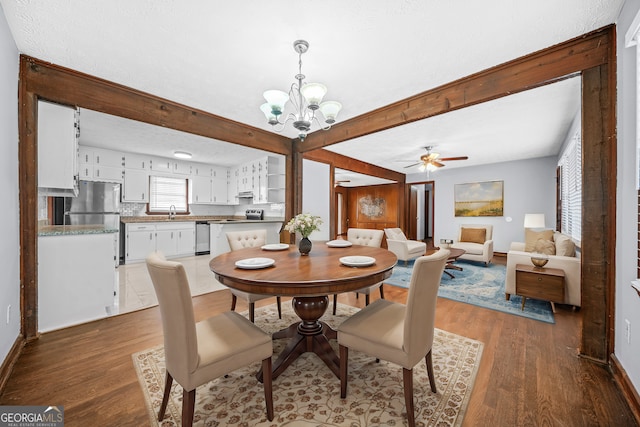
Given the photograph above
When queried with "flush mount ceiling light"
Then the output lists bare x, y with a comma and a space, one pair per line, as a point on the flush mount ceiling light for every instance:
182, 154
306, 99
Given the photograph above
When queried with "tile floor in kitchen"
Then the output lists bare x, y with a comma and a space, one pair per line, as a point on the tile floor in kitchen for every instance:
136, 290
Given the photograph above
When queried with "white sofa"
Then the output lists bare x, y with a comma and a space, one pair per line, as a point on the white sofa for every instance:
479, 250
570, 266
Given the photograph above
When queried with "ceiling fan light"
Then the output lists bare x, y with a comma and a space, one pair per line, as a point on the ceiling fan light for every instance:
330, 110
276, 99
431, 167
313, 93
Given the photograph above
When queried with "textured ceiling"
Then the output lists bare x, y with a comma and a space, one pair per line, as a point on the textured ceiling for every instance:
221, 56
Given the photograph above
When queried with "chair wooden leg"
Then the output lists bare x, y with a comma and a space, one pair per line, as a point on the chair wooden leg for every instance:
335, 303
252, 311
234, 299
165, 398
344, 362
381, 292
407, 377
432, 380
366, 299
279, 310
188, 405
268, 389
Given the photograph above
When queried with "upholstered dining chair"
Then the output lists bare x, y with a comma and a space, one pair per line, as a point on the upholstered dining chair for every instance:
402, 247
401, 334
196, 353
248, 239
364, 237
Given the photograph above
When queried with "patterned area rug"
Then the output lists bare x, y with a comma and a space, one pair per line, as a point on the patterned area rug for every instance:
308, 393
481, 286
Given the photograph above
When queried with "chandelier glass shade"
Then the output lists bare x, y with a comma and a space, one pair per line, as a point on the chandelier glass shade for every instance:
305, 100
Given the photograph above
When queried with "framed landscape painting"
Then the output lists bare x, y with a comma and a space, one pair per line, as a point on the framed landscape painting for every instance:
479, 198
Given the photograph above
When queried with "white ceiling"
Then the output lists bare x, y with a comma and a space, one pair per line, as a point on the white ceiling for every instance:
221, 56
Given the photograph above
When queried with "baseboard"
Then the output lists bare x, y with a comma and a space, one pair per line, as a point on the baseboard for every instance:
628, 390
10, 361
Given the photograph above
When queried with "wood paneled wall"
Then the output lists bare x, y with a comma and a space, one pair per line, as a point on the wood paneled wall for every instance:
374, 206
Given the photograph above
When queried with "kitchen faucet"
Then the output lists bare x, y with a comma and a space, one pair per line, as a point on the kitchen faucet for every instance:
172, 212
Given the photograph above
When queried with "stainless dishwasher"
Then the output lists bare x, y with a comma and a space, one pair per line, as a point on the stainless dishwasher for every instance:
202, 238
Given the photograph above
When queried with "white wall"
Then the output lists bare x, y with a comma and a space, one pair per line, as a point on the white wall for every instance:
529, 187
316, 195
10, 242
627, 301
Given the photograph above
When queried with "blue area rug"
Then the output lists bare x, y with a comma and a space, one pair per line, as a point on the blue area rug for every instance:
481, 286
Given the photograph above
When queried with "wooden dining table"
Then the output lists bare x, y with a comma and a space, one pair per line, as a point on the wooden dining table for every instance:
309, 279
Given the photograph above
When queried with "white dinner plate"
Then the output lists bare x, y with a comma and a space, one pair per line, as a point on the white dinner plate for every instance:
275, 247
357, 261
255, 263
339, 243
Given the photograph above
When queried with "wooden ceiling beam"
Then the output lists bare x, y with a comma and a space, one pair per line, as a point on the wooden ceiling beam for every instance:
67, 86
524, 73
354, 165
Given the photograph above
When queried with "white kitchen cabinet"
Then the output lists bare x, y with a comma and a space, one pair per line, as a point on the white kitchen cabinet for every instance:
219, 185
173, 239
97, 164
76, 279
161, 165
275, 177
201, 190
232, 186
181, 168
136, 161
201, 169
136, 186
57, 149
140, 241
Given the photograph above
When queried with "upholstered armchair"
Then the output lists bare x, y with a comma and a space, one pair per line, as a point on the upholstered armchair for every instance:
402, 247
477, 242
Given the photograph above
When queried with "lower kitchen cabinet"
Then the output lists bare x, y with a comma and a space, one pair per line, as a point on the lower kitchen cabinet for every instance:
77, 279
173, 239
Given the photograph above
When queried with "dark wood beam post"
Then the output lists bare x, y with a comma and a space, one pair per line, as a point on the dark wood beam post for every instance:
598, 213
28, 181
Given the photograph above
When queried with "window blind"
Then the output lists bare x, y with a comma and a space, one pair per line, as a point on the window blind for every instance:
165, 192
571, 188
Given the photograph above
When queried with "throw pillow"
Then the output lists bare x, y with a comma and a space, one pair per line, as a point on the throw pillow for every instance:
564, 245
531, 237
546, 247
473, 235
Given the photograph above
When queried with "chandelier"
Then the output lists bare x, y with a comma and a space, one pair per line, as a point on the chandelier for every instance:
306, 100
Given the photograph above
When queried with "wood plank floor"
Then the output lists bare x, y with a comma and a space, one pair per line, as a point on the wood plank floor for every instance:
530, 374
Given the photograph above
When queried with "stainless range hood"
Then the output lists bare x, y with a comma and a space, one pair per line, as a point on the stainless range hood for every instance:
245, 195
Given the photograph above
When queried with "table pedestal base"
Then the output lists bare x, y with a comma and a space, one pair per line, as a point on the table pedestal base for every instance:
308, 335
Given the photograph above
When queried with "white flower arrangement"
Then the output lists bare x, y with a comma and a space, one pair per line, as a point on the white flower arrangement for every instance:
305, 224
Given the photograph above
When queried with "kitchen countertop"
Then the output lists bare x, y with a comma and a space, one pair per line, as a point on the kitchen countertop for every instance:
191, 218
74, 230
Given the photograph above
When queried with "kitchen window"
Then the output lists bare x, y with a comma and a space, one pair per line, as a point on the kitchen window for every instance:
165, 192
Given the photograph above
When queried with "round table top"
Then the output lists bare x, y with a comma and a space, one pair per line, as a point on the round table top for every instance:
319, 273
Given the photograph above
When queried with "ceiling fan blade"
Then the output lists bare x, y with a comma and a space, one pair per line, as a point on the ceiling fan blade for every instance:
454, 158
437, 164
415, 164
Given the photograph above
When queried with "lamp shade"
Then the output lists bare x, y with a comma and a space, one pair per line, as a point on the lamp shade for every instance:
535, 220
330, 110
276, 100
313, 93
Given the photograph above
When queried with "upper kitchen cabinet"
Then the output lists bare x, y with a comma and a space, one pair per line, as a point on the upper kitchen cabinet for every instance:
97, 164
58, 132
136, 186
137, 161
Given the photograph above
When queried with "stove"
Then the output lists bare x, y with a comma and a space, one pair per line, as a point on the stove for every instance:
255, 214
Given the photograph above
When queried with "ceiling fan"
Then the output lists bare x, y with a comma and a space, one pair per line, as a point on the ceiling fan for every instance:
430, 159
